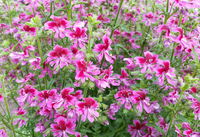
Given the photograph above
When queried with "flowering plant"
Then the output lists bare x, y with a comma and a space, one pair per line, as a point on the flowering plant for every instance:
99, 68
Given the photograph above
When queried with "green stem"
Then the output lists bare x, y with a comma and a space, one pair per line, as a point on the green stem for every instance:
69, 10
39, 46
85, 91
194, 73
166, 16
51, 8
174, 112
38, 80
7, 108
120, 5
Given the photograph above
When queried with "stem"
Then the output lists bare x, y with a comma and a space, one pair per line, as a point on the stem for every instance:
194, 73
141, 42
166, 16
69, 10
120, 5
85, 91
174, 112
51, 8
39, 46
7, 108
38, 80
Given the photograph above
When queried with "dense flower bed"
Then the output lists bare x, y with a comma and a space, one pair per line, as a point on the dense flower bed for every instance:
100, 68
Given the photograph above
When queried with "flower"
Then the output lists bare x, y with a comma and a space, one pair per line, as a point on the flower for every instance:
148, 62
88, 109
112, 110
3, 133
84, 71
124, 77
126, 98
59, 57
19, 112
62, 127
166, 71
1, 97
163, 28
58, 25
35, 63
104, 49
188, 130
178, 131
140, 97
149, 18
78, 34
138, 129
196, 107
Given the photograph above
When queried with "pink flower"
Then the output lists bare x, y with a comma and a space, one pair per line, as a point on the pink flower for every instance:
148, 62
149, 18
28, 94
166, 71
29, 29
188, 130
66, 99
103, 19
104, 49
79, 35
164, 28
46, 95
62, 127
130, 63
88, 109
3, 133
140, 97
84, 71
58, 25
124, 77
178, 131
152, 133
1, 97
126, 98
112, 110
196, 107
35, 63
59, 57
19, 112
138, 129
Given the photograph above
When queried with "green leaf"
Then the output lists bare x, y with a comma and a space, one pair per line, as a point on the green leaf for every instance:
196, 97
161, 8
81, 2
182, 118
120, 46
195, 55
157, 128
19, 117
123, 27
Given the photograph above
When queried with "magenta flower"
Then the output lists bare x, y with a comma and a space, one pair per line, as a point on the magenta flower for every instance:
166, 71
46, 95
63, 127
88, 109
28, 94
149, 18
79, 35
84, 71
188, 130
40, 127
138, 129
178, 131
3, 133
19, 112
1, 97
35, 63
130, 63
59, 57
124, 77
29, 29
126, 98
66, 99
196, 107
103, 19
140, 97
151, 133
112, 110
104, 49
164, 28
58, 25
147, 63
